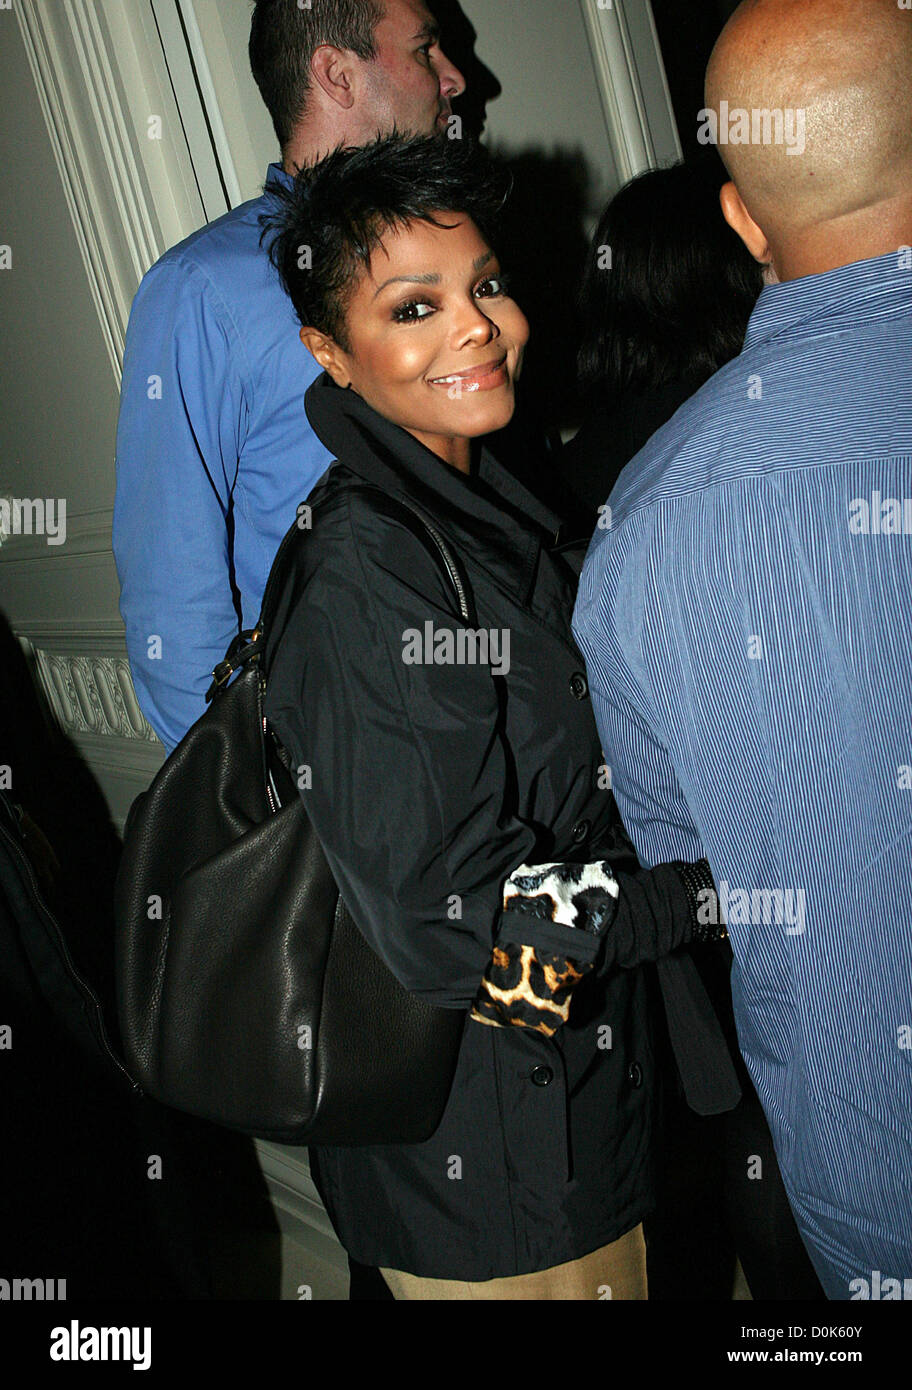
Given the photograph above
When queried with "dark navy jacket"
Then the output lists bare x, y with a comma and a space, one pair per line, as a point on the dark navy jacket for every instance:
429, 784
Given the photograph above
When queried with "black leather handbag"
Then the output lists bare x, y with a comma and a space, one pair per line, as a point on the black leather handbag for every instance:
246, 993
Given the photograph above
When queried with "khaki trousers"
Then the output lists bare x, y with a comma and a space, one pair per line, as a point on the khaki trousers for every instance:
615, 1271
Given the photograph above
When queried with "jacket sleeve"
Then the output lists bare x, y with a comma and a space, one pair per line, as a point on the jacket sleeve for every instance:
182, 422
402, 763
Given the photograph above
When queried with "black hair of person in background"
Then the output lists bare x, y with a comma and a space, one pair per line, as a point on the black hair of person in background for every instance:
672, 309
666, 295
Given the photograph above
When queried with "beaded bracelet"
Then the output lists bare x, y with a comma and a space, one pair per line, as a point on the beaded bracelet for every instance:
702, 895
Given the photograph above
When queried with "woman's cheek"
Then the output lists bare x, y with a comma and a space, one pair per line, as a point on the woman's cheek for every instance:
406, 360
521, 330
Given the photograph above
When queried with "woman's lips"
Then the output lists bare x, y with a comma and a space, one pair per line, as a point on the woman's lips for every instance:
484, 378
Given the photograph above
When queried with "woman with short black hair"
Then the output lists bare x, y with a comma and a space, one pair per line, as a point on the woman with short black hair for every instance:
462, 800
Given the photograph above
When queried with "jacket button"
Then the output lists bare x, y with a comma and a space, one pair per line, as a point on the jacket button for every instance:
579, 686
580, 831
635, 1074
542, 1076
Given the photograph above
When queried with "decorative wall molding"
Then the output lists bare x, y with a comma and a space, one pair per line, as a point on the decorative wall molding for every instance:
76, 636
90, 700
90, 694
100, 76
57, 41
87, 533
634, 88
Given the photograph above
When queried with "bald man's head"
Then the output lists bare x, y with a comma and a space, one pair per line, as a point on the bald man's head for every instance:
840, 72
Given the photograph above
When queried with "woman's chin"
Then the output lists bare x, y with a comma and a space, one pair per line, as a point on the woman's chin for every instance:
487, 420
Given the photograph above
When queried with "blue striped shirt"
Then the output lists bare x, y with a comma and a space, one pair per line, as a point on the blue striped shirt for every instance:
746, 617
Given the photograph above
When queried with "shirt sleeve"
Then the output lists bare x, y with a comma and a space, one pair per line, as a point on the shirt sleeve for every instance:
403, 765
181, 429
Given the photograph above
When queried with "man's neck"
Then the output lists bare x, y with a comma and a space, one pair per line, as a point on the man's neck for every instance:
861, 236
308, 145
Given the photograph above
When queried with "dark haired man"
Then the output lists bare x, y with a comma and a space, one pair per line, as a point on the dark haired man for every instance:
214, 452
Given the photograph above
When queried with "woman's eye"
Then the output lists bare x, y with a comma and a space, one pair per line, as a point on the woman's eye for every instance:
494, 285
413, 312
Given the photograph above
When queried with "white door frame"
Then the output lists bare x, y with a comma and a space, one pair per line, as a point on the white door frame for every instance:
194, 91
633, 85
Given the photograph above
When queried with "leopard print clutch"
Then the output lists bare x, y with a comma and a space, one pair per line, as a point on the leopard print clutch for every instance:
536, 964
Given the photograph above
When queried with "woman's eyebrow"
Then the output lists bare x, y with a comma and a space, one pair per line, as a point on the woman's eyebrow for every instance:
431, 277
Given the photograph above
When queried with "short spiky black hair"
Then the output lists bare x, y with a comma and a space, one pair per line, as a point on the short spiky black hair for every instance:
283, 39
329, 223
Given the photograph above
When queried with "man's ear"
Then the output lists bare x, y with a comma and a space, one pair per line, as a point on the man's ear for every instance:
333, 71
328, 354
740, 221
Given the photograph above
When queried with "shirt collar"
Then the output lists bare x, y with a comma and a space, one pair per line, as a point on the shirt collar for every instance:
276, 174
835, 300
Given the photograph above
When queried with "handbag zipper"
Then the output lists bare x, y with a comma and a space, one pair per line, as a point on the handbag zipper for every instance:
270, 787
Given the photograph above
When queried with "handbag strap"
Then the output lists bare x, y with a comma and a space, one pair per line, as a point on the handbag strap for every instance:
249, 644
424, 529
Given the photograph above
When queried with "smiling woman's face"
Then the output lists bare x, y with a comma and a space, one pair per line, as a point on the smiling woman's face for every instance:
435, 342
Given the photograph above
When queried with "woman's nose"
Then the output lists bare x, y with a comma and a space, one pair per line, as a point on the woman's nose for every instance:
475, 326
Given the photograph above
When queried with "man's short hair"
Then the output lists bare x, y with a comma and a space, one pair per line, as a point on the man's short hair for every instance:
284, 35
340, 208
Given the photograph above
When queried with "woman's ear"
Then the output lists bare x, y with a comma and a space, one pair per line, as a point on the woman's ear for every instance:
328, 354
740, 221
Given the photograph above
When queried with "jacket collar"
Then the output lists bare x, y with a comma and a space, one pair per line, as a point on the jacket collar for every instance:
494, 518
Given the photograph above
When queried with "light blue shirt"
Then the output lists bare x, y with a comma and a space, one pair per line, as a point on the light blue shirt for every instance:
746, 621
214, 455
